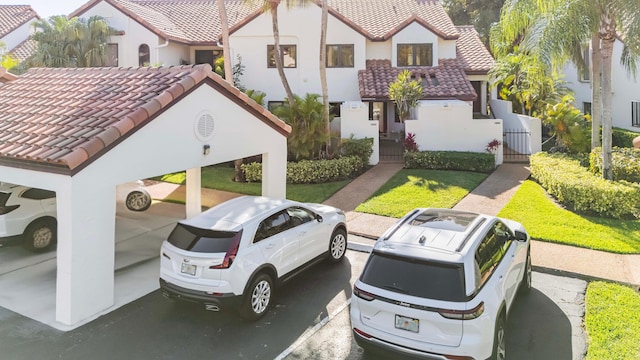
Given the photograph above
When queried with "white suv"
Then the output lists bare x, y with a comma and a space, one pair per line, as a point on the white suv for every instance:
439, 284
234, 254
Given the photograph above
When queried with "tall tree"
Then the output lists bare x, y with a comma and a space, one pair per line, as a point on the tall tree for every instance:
482, 14
323, 73
555, 30
72, 42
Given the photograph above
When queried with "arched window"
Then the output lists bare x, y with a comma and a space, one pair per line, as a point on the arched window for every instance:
143, 55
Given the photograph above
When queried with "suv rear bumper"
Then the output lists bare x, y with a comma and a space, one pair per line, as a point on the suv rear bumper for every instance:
222, 301
374, 344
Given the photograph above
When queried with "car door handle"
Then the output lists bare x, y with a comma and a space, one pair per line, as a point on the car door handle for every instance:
270, 246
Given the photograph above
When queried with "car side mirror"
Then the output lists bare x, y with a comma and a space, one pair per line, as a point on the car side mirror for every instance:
520, 235
319, 218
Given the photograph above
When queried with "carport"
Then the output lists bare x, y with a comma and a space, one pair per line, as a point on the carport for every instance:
81, 132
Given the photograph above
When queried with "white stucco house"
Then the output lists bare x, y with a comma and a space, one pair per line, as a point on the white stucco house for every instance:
15, 30
625, 97
81, 132
368, 42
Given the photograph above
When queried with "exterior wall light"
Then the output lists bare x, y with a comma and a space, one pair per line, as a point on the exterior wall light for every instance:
206, 149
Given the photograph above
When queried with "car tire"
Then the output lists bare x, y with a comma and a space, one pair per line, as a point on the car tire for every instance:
337, 245
138, 200
40, 235
525, 285
258, 297
500, 340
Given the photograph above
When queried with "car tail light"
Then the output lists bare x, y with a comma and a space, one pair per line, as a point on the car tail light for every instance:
360, 332
231, 253
363, 294
8, 209
463, 314
454, 357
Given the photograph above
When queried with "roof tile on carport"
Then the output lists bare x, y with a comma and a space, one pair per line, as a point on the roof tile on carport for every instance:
41, 129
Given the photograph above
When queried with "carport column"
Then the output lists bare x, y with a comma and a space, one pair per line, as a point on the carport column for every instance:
86, 249
193, 198
274, 171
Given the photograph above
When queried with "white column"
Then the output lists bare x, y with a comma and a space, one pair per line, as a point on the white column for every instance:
194, 188
274, 171
86, 250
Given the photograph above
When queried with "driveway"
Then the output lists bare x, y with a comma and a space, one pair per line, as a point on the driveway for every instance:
310, 320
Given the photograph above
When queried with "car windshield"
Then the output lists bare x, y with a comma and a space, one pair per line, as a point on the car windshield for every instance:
415, 277
202, 240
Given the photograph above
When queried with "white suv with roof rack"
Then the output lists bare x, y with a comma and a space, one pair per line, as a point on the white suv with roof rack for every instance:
439, 284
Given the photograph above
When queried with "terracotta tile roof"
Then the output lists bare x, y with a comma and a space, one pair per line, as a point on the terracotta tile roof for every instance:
60, 120
445, 81
24, 50
471, 52
6, 76
381, 19
14, 16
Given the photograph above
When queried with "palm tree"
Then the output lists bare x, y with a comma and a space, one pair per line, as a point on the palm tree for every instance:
72, 42
226, 52
554, 30
323, 73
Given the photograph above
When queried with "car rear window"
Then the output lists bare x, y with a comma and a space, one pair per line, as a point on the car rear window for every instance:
38, 194
415, 277
202, 240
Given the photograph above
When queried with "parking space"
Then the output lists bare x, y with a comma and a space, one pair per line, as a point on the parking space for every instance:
28, 280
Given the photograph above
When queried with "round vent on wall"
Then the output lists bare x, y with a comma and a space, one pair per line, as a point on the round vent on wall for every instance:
204, 126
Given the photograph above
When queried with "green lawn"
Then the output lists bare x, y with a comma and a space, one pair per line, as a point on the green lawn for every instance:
221, 178
413, 188
544, 220
612, 322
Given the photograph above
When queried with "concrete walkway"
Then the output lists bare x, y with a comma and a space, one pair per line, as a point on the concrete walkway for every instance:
489, 198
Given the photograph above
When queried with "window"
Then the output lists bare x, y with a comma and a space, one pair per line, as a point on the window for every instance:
144, 57
586, 108
208, 57
585, 75
415, 54
272, 225
287, 53
299, 216
635, 113
339, 56
334, 110
112, 55
38, 194
196, 239
490, 251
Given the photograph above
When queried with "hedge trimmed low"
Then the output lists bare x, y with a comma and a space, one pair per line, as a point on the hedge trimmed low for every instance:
312, 171
575, 186
625, 163
622, 137
450, 160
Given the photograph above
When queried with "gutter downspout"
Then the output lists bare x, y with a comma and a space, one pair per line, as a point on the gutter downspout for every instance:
166, 43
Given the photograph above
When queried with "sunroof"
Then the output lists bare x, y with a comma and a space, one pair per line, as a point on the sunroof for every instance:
443, 219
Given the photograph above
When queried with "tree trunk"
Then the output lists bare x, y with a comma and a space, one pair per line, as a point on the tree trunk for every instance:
276, 51
596, 91
323, 74
238, 174
607, 52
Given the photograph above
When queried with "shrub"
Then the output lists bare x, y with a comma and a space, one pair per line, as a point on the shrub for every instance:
450, 160
625, 163
623, 138
362, 148
410, 143
308, 131
312, 171
575, 186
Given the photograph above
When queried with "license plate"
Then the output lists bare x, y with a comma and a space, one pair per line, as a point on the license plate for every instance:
407, 323
189, 269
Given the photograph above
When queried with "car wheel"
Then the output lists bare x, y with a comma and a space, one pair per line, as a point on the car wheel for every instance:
138, 200
525, 286
499, 341
40, 235
257, 300
337, 245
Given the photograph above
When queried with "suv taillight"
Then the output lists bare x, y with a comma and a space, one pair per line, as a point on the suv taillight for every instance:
231, 253
463, 314
8, 209
363, 294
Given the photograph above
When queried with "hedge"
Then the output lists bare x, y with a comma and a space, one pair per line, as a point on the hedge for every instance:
312, 171
623, 138
625, 163
575, 186
450, 160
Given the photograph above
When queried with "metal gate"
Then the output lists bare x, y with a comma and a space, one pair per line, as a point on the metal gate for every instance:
391, 150
516, 145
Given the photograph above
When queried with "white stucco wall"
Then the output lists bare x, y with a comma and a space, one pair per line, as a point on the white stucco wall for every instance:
250, 42
17, 36
415, 33
377, 50
446, 49
512, 121
448, 125
355, 121
625, 88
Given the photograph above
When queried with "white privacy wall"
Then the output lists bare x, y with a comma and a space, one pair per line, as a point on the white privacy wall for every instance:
449, 125
355, 121
511, 121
